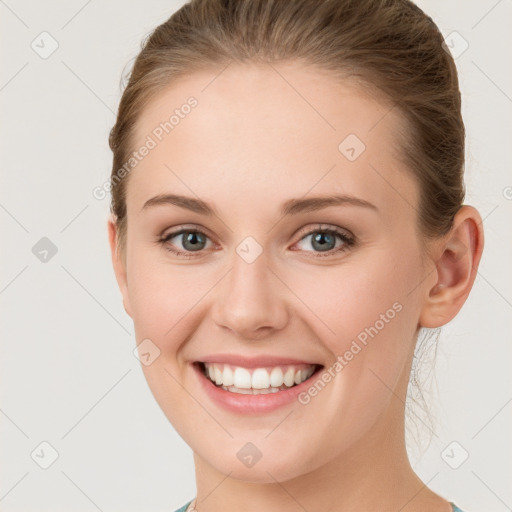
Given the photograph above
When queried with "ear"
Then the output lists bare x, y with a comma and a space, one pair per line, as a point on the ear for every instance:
118, 264
457, 259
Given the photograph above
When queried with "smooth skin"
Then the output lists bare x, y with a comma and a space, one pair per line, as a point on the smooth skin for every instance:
259, 136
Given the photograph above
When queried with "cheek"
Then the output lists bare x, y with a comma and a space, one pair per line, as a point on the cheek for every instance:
165, 298
346, 301
366, 318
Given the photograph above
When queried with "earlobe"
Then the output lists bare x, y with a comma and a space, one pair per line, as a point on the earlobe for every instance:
118, 264
456, 267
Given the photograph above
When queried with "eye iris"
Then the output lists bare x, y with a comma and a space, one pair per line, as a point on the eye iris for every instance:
320, 238
192, 237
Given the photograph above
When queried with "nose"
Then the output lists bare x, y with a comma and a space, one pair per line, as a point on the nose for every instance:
251, 300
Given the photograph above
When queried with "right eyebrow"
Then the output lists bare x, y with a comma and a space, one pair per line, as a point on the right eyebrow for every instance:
188, 203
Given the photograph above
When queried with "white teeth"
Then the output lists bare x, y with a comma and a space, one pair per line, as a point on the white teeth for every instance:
227, 376
218, 375
258, 380
276, 377
242, 378
289, 377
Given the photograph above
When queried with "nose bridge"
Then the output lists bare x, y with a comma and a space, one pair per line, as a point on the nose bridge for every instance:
251, 298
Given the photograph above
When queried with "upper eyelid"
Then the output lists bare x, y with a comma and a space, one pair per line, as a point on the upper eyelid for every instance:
179, 231
325, 227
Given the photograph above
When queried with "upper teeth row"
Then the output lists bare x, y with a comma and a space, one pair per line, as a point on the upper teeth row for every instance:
260, 378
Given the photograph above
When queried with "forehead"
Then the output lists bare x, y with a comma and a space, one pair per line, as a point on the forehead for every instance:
269, 132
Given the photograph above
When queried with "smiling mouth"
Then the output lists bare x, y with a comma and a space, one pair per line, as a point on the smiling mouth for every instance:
257, 381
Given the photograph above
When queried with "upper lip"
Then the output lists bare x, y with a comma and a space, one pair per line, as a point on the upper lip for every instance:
254, 361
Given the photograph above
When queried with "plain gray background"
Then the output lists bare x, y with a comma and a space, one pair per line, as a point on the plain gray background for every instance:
69, 378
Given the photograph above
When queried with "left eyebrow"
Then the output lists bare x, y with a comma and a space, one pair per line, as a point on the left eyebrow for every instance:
312, 204
290, 207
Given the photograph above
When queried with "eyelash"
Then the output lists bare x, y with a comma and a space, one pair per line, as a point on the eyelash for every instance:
348, 241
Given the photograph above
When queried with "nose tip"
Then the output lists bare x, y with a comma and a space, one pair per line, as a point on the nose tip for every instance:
250, 302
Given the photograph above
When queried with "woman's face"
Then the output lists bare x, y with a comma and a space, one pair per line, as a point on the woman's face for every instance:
263, 281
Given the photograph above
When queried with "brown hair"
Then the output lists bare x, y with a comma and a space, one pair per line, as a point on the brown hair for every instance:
391, 46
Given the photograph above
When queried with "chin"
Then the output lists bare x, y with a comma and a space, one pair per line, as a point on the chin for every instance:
265, 470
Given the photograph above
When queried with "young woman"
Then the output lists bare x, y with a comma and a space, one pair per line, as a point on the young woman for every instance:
287, 215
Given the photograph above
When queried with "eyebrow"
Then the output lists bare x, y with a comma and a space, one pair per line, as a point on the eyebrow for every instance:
290, 207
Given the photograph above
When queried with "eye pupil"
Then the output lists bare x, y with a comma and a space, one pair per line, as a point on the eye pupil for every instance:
320, 239
193, 238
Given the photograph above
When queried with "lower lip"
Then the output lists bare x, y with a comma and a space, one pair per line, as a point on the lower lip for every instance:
250, 404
